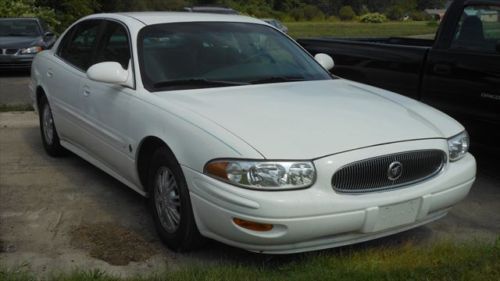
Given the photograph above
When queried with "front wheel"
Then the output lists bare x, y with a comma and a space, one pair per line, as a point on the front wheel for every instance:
50, 138
170, 203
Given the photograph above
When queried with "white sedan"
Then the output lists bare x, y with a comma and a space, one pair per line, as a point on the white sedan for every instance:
235, 133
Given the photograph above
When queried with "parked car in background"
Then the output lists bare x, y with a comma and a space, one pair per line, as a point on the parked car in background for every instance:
276, 23
21, 39
237, 134
212, 10
458, 72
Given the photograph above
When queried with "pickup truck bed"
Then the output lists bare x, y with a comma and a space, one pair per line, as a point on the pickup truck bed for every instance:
389, 63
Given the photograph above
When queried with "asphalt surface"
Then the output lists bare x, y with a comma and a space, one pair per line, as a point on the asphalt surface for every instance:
43, 200
14, 88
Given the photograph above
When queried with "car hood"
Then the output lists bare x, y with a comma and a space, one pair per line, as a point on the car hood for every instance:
308, 120
18, 42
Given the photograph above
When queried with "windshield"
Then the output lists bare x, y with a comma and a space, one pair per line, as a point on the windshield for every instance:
17, 27
214, 54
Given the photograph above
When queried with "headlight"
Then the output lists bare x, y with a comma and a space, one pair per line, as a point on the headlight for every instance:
31, 50
458, 146
263, 175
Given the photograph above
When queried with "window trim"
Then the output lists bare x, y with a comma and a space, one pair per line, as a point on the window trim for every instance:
455, 29
140, 52
71, 32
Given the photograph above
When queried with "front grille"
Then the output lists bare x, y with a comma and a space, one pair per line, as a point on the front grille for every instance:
373, 174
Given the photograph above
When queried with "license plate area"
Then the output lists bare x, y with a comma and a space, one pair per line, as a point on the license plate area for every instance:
397, 214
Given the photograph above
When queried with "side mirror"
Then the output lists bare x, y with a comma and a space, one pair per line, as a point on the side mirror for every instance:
325, 60
48, 34
108, 72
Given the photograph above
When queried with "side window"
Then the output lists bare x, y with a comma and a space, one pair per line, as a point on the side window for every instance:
115, 45
478, 29
79, 48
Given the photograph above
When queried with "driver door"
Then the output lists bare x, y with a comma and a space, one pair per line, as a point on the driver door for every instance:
107, 106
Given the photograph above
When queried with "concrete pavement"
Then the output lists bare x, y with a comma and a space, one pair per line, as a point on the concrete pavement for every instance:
44, 201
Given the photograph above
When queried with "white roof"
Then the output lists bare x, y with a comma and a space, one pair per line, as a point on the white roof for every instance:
150, 18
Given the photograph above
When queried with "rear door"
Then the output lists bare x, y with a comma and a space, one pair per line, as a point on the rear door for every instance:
463, 78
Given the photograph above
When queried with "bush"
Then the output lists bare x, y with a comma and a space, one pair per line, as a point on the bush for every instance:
373, 18
395, 13
307, 12
313, 13
297, 14
346, 13
420, 16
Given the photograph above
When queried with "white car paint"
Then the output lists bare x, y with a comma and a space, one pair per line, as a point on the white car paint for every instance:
331, 122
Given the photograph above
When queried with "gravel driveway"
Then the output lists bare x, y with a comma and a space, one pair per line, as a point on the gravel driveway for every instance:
59, 214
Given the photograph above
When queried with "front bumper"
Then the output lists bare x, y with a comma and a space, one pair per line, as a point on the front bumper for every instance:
319, 217
8, 62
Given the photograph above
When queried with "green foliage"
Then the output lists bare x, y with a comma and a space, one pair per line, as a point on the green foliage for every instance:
313, 13
68, 11
420, 16
61, 13
346, 13
373, 18
395, 13
28, 8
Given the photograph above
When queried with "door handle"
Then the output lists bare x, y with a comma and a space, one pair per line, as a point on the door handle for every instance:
86, 91
442, 69
50, 73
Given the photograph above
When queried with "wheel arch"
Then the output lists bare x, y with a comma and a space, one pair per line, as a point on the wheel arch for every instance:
145, 152
40, 94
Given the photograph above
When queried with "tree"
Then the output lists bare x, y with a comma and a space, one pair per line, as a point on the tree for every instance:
346, 13
28, 8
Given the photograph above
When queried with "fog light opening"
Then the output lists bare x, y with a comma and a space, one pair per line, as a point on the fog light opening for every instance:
255, 226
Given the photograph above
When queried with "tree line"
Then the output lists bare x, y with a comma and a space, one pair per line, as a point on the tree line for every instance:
60, 13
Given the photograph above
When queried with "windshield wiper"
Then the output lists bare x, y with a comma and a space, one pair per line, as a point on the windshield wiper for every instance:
277, 79
196, 82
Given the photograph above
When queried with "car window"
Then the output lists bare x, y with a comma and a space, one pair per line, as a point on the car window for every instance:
233, 52
478, 29
79, 48
114, 45
19, 28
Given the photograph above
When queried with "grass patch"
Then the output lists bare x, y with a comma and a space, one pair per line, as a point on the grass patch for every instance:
15, 107
442, 261
356, 29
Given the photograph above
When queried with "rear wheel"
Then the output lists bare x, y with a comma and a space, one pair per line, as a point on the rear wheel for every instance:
50, 138
170, 203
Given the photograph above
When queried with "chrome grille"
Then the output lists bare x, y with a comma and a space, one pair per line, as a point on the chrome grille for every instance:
373, 174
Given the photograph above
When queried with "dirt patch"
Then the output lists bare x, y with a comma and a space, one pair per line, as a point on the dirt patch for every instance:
112, 243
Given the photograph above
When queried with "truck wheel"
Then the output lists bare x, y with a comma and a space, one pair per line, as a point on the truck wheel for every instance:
170, 203
50, 138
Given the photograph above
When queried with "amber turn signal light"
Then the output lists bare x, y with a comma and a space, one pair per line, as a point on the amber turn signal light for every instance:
255, 226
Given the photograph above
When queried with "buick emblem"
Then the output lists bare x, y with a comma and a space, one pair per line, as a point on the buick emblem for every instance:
395, 171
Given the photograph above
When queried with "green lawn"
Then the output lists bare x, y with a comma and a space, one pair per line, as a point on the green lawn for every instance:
443, 261
356, 29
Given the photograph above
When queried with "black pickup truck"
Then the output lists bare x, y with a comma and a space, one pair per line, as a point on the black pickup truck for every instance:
458, 72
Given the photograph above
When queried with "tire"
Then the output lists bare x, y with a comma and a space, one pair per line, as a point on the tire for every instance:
170, 203
48, 132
